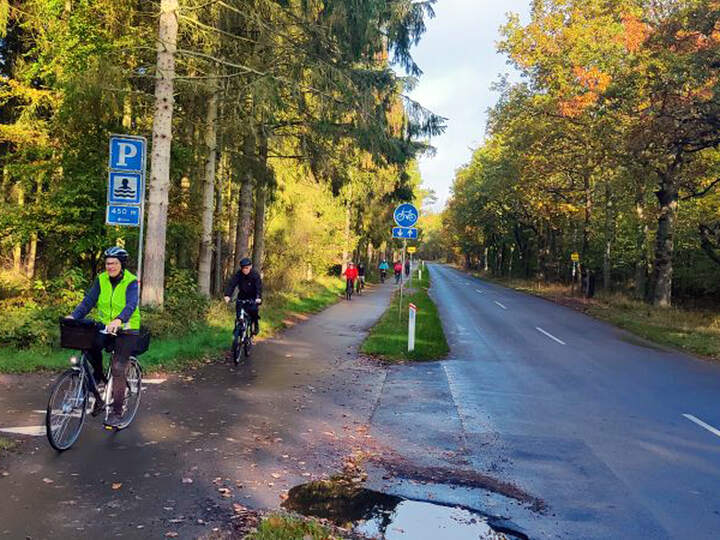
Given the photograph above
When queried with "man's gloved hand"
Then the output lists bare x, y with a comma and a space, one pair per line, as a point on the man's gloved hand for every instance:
258, 301
227, 299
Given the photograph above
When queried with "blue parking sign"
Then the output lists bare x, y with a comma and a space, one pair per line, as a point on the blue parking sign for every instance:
123, 215
127, 153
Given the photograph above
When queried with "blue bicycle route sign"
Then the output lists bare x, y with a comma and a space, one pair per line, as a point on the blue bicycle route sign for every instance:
406, 215
411, 233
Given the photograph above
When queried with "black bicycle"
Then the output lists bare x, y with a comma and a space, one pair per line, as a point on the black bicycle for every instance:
349, 288
242, 335
383, 274
75, 392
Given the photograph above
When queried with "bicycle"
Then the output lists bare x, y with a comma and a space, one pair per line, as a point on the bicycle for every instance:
360, 284
383, 274
349, 288
242, 334
75, 392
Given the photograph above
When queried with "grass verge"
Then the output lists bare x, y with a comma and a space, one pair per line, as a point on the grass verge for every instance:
213, 337
692, 330
6, 444
282, 527
388, 339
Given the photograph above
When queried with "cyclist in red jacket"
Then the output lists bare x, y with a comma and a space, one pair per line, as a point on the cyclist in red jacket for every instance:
351, 274
398, 268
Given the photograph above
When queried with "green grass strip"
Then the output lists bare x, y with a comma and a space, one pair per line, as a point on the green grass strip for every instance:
388, 339
210, 339
282, 527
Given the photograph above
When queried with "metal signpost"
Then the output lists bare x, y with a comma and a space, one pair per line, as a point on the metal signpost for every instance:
126, 187
575, 258
411, 327
405, 215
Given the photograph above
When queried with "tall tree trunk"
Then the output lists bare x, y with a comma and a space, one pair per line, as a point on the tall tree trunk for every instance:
219, 233
127, 120
346, 243
667, 196
486, 262
586, 222
154, 267
17, 247
31, 256
205, 262
260, 202
641, 264
609, 235
245, 204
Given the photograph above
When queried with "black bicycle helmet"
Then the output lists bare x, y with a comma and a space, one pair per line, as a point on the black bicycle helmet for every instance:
118, 253
245, 262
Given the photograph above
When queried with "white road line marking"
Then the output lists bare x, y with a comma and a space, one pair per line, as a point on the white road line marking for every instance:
478, 290
499, 304
35, 431
154, 381
702, 424
548, 334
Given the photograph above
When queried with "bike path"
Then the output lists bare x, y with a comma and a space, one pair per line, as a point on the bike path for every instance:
202, 440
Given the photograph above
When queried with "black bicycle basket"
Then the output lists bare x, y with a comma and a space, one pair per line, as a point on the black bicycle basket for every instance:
78, 334
142, 344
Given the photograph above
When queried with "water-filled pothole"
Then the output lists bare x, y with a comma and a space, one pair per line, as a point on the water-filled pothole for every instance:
379, 515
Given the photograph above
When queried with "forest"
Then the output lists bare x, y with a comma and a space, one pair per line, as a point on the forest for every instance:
606, 146
281, 130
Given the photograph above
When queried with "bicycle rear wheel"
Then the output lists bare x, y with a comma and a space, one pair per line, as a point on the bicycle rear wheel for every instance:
66, 409
133, 391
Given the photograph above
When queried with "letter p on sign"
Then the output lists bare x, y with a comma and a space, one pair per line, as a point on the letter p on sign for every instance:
127, 153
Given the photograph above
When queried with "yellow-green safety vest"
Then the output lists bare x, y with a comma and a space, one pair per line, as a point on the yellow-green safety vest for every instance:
111, 301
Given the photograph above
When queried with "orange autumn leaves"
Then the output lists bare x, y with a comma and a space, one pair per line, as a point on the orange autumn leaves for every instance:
593, 82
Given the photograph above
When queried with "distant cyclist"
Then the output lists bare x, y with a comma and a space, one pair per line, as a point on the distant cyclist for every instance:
383, 267
115, 293
361, 276
397, 268
407, 267
249, 285
351, 274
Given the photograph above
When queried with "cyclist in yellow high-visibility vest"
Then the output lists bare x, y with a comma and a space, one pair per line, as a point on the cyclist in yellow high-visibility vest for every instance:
115, 295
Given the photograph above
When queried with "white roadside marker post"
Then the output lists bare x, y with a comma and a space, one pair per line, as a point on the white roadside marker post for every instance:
411, 327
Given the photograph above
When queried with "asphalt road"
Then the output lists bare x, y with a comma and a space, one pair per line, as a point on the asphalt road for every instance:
581, 414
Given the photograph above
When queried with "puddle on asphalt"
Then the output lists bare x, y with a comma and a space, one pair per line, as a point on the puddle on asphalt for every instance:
378, 515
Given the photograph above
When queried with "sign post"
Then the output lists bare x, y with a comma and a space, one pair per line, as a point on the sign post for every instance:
126, 187
411, 327
575, 258
405, 215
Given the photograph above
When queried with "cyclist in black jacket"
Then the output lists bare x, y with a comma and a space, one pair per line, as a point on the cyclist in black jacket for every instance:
249, 285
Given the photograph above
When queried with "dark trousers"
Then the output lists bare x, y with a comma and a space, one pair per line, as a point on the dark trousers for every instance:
123, 346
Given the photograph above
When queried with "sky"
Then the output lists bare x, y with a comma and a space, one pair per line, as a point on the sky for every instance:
459, 62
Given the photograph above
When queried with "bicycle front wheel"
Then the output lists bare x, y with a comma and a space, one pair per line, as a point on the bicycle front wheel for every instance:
65, 413
133, 391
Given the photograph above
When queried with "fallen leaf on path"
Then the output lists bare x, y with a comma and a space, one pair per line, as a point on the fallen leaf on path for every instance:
171, 534
117, 485
48, 481
275, 475
187, 480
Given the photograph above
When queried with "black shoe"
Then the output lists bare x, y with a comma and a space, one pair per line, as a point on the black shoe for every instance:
113, 420
98, 407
